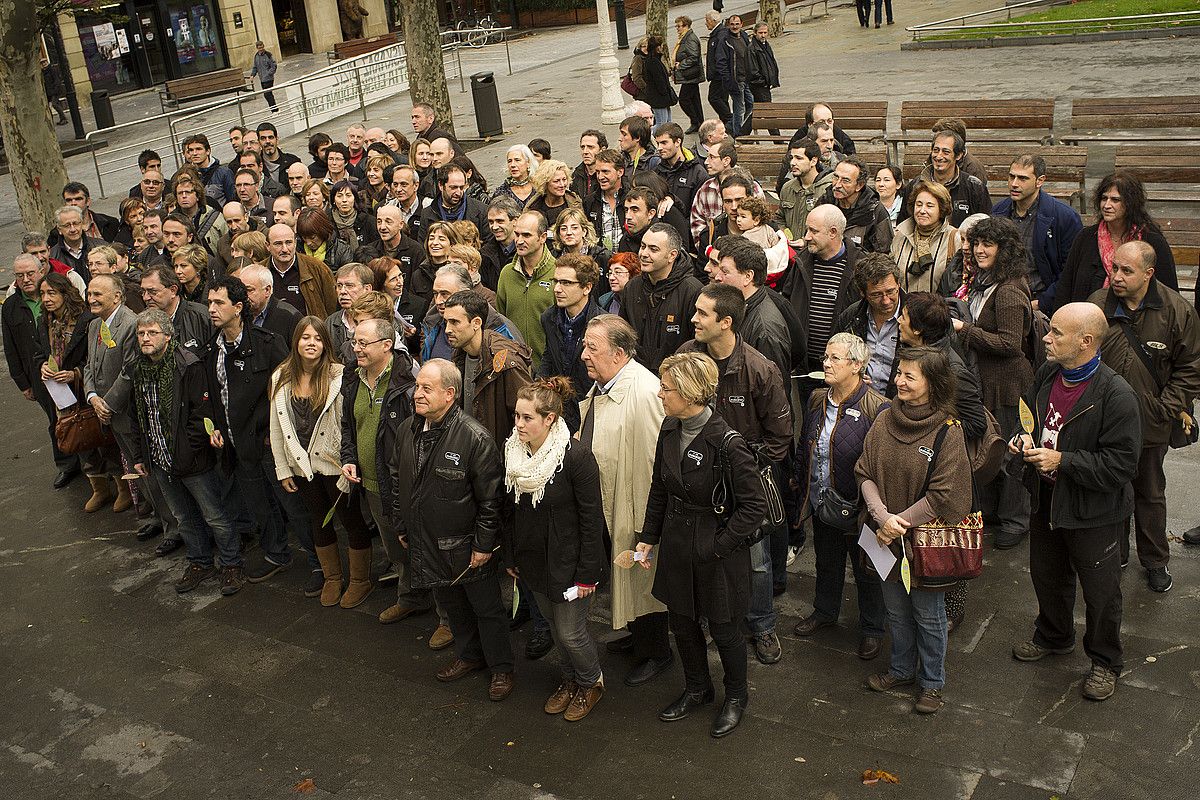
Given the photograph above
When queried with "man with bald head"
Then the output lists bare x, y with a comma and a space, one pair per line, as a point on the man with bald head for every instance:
393, 242
301, 280
265, 309
374, 135
442, 150
1153, 341
237, 221
1079, 463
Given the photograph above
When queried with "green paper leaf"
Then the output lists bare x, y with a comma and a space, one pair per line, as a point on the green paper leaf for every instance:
52, 364
516, 598
906, 573
1027, 421
329, 515
209, 428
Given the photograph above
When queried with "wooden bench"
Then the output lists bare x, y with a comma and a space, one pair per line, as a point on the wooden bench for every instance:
1066, 167
763, 160
855, 117
800, 5
986, 120
1104, 119
1171, 172
749, 19
198, 87
1183, 234
358, 47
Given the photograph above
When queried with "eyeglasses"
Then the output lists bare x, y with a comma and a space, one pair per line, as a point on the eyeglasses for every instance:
560, 282
618, 271
827, 358
358, 345
877, 296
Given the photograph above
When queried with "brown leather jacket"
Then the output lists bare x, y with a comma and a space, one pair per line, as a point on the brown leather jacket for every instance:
504, 367
1169, 332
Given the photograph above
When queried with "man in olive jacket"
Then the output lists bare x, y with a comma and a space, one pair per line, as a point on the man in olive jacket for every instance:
1153, 341
1079, 462
447, 473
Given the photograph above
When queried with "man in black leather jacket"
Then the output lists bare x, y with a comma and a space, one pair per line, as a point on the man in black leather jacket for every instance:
446, 474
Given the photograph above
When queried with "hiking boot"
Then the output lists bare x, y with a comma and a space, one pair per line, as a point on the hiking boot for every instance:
561, 699
193, 576
232, 580
886, 681
584, 701
1100, 684
1032, 651
929, 702
766, 647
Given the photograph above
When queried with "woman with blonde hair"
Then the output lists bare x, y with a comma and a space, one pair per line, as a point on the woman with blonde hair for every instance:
251, 245
703, 546
315, 194
574, 233
306, 438
552, 182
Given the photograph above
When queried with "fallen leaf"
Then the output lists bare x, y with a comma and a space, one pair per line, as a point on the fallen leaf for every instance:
1151, 659
141, 744
510, 744
871, 776
305, 786
798, 760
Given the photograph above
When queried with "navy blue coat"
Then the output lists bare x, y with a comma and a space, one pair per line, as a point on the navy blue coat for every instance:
1055, 230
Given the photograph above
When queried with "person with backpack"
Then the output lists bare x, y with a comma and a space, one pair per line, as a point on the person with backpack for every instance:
1000, 305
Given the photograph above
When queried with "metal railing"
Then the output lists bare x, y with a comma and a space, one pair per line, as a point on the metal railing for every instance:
309, 100
966, 25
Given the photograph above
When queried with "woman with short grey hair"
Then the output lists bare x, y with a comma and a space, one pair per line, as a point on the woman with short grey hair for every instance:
836, 422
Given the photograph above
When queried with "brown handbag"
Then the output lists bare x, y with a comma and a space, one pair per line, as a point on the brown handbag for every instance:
79, 430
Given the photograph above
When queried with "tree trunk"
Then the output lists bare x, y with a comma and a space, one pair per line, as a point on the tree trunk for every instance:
656, 19
423, 49
770, 13
35, 160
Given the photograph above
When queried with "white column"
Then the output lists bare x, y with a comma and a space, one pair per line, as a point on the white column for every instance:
612, 105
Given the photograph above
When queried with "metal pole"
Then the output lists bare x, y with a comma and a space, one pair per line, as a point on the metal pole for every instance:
362, 102
507, 52
68, 83
462, 87
96, 164
241, 113
622, 33
304, 106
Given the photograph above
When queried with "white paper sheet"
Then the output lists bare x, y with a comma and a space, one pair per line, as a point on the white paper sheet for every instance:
880, 556
571, 594
61, 394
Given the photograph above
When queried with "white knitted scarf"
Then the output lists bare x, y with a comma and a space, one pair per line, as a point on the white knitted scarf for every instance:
528, 473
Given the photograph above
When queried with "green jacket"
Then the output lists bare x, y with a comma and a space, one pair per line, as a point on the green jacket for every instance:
523, 299
795, 202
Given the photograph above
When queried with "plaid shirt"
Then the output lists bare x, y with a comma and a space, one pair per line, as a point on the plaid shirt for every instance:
154, 428
706, 206
223, 350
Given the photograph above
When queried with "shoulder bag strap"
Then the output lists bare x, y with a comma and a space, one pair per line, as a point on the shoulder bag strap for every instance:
937, 447
1140, 350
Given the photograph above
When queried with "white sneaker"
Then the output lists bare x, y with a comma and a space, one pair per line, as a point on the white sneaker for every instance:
792, 553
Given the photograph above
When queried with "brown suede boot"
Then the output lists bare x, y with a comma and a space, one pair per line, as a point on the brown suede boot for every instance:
102, 493
124, 500
360, 578
331, 565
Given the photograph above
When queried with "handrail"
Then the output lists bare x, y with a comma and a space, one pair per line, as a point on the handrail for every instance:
1128, 20
191, 117
1052, 22
965, 17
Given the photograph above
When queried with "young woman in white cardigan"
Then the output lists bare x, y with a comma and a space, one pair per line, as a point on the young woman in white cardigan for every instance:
306, 435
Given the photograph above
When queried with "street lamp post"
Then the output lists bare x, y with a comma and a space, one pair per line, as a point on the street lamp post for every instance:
611, 104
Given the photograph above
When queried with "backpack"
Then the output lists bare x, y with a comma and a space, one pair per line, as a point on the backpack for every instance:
986, 453
1035, 347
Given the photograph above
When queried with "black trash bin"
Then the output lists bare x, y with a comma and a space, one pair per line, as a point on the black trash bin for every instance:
487, 104
102, 108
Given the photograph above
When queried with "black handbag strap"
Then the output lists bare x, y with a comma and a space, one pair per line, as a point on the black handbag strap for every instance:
1140, 350
937, 448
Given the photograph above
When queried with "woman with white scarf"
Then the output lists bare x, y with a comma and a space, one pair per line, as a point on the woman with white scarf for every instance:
556, 541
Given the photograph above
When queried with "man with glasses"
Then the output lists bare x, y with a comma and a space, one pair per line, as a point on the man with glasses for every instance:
351, 282
876, 318
209, 224
95, 224
153, 186
73, 244
565, 323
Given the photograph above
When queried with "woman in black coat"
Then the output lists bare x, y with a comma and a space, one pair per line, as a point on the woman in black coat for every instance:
658, 93
704, 554
556, 539
1121, 216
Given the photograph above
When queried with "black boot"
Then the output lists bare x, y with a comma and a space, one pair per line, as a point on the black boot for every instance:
728, 718
687, 702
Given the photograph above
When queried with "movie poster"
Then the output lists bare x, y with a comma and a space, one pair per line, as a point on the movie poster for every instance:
185, 47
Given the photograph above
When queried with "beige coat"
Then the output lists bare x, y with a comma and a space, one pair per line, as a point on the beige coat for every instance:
944, 245
627, 421
322, 456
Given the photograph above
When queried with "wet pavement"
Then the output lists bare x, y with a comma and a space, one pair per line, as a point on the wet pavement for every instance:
119, 688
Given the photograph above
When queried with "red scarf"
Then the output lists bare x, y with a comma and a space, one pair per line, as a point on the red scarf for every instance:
1108, 246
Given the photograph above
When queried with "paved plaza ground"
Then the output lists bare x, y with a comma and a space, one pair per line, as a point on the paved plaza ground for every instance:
119, 688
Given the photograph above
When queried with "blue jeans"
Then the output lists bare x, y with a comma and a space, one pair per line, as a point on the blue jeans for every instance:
196, 500
256, 480
737, 99
578, 659
762, 616
747, 108
831, 548
661, 115
918, 625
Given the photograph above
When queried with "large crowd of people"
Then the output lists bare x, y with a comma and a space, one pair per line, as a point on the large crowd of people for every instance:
640, 381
